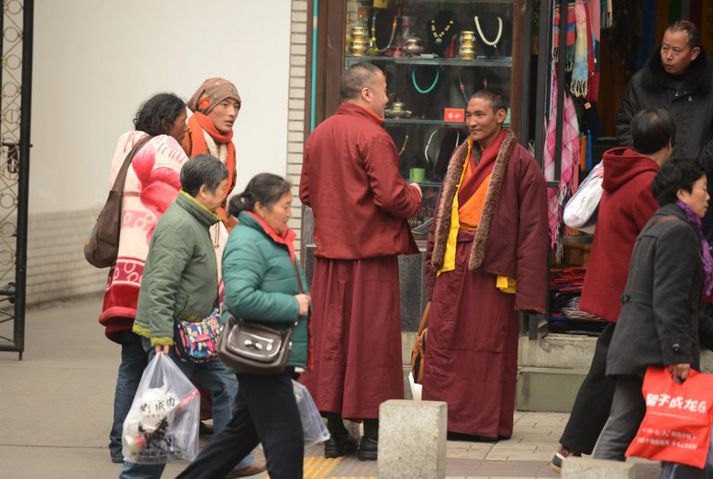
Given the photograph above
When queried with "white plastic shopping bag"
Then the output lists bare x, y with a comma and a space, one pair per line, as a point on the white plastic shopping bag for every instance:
162, 424
580, 211
415, 387
314, 429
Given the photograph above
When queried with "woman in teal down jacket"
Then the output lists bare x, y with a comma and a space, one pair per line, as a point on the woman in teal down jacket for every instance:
260, 276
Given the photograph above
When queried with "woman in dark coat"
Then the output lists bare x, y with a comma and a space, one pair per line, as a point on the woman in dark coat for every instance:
670, 267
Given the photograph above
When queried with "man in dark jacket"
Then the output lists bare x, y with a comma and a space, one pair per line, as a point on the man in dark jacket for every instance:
679, 79
627, 204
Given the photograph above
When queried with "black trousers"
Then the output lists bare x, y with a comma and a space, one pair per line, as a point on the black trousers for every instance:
591, 407
265, 412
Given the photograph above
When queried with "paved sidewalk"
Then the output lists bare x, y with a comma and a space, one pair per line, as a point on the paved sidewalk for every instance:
56, 409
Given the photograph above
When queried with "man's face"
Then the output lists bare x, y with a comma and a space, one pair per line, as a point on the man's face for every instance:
213, 199
482, 121
375, 94
224, 114
676, 53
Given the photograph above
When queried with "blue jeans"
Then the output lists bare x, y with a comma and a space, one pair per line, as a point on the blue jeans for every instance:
223, 387
133, 363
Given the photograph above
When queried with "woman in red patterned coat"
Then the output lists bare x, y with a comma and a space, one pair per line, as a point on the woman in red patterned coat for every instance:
152, 184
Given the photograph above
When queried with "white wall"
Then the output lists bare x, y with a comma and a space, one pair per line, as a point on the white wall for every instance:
95, 61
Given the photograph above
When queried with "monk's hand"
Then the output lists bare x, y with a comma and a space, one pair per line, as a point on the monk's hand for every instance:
679, 372
303, 301
418, 187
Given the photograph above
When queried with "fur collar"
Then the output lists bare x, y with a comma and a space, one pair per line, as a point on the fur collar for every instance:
696, 80
450, 189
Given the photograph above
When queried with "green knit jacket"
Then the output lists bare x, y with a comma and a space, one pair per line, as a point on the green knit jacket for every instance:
261, 282
180, 280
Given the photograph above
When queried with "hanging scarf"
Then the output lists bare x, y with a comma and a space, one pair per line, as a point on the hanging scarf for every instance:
595, 28
569, 161
570, 35
695, 221
194, 139
580, 70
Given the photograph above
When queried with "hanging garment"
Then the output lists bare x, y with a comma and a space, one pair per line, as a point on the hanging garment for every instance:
570, 39
569, 161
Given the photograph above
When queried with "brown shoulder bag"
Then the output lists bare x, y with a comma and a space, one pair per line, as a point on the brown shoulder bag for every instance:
419, 346
250, 347
102, 246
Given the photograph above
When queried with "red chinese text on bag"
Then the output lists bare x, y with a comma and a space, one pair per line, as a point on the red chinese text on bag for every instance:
677, 424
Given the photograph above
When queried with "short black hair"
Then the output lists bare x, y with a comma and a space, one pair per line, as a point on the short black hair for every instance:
694, 35
675, 174
157, 114
265, 188
202, 170
652, 130
497, 101
356, 77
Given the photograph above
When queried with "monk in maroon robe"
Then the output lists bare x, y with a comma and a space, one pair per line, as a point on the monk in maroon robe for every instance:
351, 180
486, 261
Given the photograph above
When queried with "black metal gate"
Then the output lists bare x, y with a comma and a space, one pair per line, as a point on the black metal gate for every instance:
16, 87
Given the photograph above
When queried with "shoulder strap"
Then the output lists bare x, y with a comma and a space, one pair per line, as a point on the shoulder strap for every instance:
121, 176
299, 278
424, 318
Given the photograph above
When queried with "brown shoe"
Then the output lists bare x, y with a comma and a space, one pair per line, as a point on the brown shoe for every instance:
255, 468
558, 458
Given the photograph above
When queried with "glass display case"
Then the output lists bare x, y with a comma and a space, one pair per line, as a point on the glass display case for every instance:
435, 54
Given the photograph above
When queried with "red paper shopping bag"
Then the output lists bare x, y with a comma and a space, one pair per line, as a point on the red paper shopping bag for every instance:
677, 424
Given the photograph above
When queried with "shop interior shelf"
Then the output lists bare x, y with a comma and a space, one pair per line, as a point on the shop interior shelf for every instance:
504, 62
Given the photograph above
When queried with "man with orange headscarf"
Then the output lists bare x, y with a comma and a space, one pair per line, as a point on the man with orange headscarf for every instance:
215, 106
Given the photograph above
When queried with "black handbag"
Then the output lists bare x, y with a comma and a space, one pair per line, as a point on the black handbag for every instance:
253, 348
250, 347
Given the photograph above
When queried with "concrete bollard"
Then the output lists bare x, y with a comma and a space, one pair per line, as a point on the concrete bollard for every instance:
412, 439
589, 468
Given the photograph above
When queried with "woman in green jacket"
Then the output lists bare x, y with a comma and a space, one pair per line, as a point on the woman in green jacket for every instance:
260, 275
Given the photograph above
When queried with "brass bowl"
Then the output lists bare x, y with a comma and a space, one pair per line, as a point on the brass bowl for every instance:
397, 114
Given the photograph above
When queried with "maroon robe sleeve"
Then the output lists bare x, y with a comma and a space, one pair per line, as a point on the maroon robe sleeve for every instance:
532, 239
304, 179
391, 192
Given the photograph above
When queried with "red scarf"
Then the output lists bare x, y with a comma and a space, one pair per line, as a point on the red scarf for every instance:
287, 237
478, 173
194, 144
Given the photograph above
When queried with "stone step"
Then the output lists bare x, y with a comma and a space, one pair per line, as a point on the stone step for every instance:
547, 389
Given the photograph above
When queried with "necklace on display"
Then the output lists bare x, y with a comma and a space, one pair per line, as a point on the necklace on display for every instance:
430, 88
403, 147
372, 40
428, 145
482, 36
438, 36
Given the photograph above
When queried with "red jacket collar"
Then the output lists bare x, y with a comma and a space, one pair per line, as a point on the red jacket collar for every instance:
349, 108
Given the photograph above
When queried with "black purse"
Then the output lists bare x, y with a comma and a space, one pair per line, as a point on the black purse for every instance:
250, 347
253, 348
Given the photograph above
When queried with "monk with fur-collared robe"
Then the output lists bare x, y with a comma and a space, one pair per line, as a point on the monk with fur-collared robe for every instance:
486, 261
